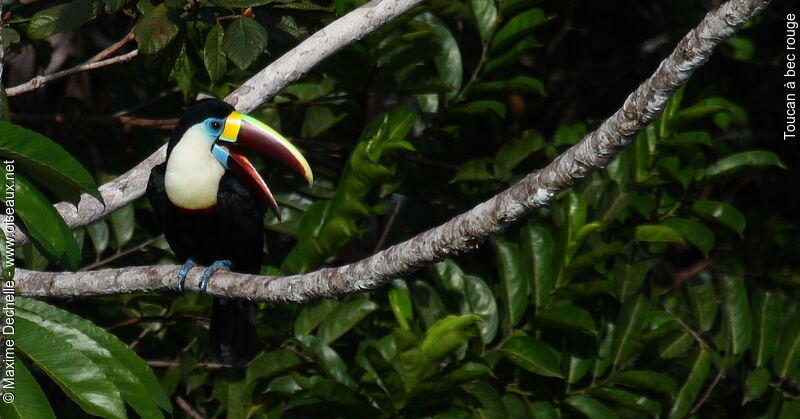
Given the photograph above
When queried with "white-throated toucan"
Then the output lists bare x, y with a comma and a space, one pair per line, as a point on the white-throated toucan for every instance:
210, 202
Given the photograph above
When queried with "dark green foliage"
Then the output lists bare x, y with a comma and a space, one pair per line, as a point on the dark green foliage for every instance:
664, 286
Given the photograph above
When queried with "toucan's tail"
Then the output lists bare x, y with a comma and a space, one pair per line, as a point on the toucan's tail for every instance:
233, 331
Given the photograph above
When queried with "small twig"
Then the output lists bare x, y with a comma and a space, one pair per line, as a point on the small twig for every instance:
119, 254
129, 121
717, 378
680, 276
137, 320
188, 408
475, 74
689, 330
148, 102
388, 227
172, 364
40, 81
147, 330
111, 49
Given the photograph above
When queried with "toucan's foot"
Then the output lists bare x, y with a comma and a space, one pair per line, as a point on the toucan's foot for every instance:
210, 270
184, 270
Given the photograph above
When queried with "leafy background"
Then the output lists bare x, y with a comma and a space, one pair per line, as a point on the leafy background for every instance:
664, 286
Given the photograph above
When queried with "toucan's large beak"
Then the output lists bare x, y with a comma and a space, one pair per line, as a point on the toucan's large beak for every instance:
249, 132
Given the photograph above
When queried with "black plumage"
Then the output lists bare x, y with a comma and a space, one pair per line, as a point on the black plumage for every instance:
231, 230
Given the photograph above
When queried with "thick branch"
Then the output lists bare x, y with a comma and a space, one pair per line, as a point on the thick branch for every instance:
462, 233
260, 88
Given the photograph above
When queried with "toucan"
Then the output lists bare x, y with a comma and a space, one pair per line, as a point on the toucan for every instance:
210, 202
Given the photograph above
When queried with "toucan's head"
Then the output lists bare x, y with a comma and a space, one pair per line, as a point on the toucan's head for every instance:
206, 143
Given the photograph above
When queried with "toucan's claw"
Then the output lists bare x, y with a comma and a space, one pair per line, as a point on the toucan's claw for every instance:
184, 271
220, 264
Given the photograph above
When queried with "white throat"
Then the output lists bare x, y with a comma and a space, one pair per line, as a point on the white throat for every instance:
193, 173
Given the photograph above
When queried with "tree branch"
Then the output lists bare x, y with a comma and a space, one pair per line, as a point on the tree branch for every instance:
462, 233
40, 81
260, 88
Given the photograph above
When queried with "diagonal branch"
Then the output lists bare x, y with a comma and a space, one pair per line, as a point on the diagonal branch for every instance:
462, 233
92, 64
260, 88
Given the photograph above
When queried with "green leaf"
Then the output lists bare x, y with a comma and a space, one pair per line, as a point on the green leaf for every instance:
577, 359
512, 279
646, 380
693, 231
482, 302
271, 363
10, 37
721, 212
155, 30
471, 293
114, 5
657, 233
737, 313
734, 163
756, 384
767, 313
62, 18
538, 250
532, 355
403, 310
544, 410
625, 398
319, 119
489, 398
692, 386
787, 357
46, 162
485, 13
44, 225
29, 399
244, 40
704, 303
77, 375
743, 48
123, 223
480, 108
137, 383
516, 84
629, 277
448, 56
343, 318
632, 320
511, 55
474, 170
517, 28
569, 134
590, 408
99, 234
674, 345
569, 317
428, 303
447, 335
328, 359
312, 315
514, 151
214, 54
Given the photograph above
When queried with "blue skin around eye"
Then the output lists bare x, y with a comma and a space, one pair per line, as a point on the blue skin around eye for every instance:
210, 130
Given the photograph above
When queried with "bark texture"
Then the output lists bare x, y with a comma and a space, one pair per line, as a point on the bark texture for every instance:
462, 233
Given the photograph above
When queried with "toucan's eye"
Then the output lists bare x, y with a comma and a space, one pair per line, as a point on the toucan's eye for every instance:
216, 125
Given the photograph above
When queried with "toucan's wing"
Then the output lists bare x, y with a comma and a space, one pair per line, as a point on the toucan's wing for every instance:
241, 218
157, 195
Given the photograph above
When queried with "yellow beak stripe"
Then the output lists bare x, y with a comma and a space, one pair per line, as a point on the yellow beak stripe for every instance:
232, 125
